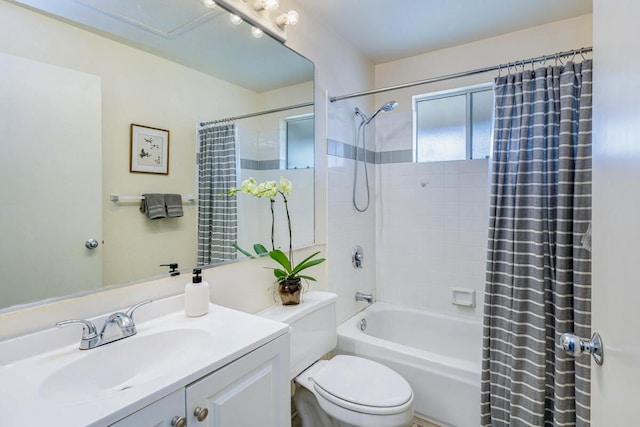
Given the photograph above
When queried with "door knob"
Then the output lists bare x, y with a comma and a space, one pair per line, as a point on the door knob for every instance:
576, 346
91, 244
179, 422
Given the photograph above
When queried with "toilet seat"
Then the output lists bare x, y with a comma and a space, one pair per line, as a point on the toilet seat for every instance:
362, 385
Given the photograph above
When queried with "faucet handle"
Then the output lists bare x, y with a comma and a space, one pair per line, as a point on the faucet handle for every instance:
88, 330
135, 307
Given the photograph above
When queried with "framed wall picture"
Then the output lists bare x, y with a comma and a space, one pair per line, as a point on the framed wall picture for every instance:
149, 150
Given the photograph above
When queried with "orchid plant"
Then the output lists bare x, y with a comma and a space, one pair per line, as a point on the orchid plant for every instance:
270, 190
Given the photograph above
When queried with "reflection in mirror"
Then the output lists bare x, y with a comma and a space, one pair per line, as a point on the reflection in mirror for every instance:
71, 102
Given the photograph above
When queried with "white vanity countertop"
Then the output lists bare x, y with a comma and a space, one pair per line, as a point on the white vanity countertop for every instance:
47, 380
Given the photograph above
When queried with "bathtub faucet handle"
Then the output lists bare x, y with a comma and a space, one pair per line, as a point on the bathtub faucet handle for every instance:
361, 296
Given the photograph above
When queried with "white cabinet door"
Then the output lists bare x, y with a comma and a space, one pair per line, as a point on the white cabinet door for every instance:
159, 414
252, 391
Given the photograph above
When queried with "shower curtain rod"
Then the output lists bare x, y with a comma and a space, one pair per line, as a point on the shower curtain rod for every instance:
259, 113
522, 62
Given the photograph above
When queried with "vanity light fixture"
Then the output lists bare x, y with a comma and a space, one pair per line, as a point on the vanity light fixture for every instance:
209, 3
256, 32
235, 19
289, 18
265, 5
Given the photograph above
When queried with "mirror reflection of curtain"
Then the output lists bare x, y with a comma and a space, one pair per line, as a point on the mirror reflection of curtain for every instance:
217, 213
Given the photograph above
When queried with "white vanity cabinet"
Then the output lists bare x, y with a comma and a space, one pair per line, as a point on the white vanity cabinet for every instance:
161, 413
250, 391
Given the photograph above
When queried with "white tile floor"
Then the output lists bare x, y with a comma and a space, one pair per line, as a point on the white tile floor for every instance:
419, 422
416, 422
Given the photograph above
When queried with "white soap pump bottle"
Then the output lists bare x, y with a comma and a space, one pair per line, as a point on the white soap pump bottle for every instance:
196, 296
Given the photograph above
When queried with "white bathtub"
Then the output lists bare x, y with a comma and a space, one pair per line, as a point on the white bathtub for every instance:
439, 355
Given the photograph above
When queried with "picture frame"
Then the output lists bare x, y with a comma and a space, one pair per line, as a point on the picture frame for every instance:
149, 151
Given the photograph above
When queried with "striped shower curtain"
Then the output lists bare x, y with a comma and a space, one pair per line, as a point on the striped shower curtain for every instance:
538, 273
217, 213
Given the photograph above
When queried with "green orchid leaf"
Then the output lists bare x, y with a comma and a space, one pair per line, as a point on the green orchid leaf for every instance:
280, 274
307, 278
307, 262
278, 256
260, 250
242, 251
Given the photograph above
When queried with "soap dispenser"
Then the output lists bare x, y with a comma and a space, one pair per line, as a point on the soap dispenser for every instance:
196, 296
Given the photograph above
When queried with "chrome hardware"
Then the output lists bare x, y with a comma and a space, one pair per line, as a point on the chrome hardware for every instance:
361, 296
356, 257
117, 326
90, 337
179, 422
201, 413
173, 268
363, 325
91, 244
576, 346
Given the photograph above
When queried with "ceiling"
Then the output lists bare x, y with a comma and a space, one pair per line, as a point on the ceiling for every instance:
387, 30
187, 32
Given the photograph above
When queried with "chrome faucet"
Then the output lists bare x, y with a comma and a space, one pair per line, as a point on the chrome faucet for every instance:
117, 326
361, 296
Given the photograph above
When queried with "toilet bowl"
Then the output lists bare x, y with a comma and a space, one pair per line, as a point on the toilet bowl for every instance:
346, 390
353, 391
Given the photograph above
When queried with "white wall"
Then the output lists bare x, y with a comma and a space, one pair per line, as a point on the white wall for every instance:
339, 69
431, 238
616, 203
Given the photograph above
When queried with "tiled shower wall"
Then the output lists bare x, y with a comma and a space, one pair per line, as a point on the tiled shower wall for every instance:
429, 221
431, 233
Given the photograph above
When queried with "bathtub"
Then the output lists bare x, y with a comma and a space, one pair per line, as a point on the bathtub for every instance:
438, 354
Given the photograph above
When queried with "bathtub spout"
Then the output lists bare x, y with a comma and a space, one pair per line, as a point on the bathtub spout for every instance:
361, 296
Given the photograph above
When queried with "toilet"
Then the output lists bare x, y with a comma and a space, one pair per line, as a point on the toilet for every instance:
346, 390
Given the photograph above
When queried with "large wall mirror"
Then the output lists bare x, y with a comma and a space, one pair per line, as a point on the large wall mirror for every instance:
76, 74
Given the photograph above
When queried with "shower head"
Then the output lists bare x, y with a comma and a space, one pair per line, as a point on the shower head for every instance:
385, 107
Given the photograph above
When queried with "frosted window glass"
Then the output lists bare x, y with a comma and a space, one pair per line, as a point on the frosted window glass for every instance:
300, 143
441, 129
481, 122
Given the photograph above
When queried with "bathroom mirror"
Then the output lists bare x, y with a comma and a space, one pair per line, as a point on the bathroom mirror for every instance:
81, 73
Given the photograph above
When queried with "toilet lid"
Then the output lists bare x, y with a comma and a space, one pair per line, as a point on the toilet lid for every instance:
362, 382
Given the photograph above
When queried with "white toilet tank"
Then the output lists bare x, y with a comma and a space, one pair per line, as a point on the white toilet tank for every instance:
312, 327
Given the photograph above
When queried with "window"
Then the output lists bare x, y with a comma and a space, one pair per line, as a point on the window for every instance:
454, 125
298, 132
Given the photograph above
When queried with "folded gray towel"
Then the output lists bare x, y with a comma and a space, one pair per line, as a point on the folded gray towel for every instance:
153, 205
173, 202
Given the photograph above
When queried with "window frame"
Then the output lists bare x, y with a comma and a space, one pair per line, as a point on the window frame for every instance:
468, 91
284, 136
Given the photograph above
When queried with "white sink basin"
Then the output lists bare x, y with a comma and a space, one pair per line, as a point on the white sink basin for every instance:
125, 364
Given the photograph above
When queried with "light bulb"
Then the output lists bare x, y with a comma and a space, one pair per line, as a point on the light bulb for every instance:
209, 3
256, 32
289, 18
235, 19
265, 4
